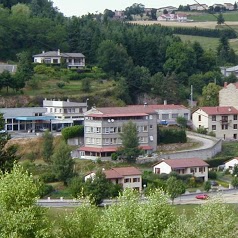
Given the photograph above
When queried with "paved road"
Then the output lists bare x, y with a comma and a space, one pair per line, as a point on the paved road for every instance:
228, 195
206, 143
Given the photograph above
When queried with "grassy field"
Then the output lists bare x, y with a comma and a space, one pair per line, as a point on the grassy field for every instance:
228, 16
208, 42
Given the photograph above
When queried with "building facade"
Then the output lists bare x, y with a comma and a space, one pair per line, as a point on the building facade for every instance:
228, 95
222, 120
73, 60
127, 177
192, 166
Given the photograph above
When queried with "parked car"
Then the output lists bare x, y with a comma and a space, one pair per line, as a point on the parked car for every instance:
202, 196
214, 183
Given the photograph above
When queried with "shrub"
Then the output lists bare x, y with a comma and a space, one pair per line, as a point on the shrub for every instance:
48, 177
43, 69
45, 189
202, 130
216, 162
212, 175
60, 84
73, 131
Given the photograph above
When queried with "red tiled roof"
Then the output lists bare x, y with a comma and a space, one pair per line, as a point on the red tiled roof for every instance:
219, 110
120, 172
184, 163
132, 110
226, 84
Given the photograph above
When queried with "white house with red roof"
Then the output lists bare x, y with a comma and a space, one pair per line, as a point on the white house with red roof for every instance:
221, 120
173, 17
102, 127
193, 166
128, 177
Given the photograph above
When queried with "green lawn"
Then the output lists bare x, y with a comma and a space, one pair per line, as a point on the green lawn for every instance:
208, 42
228, 16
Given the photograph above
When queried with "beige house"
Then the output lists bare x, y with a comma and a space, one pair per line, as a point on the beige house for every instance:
73, 60
128, 177
229, 6
193, 166
221, 120
198, 7
228, 95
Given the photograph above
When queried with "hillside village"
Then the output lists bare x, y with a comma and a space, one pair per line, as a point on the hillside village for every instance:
98, 111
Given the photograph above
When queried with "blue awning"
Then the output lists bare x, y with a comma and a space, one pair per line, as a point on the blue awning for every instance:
35, 118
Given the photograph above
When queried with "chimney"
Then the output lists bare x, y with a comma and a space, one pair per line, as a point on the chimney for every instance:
58, 51
145, 104
165, 102
67, 100
43, 51
229, 109
225, 84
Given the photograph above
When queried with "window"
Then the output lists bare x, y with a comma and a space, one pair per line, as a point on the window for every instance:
55, 61
150, 117
174, 115
224, 127
98, 129
98, 141
127, 180
186, 115
235, 126
201, 169
119, 129
165, 116
235, 117
47, 60
235, 136
199, 117
145, 128
214, 127
136, 180
214, 118
151, 126
107, 130
224, 118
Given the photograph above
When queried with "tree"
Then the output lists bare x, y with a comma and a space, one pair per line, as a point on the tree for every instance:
62, 163
210, 95
130, 142
207, 186
152, 217
99, 188
21, 9
7, 153
25, 66
47, 150
235, 6
210, 220
220, 19
113, 58
234, 182
235, 170
174, 188
20, 216
6, 80
165, 11
76, 186
182, 122
86, 85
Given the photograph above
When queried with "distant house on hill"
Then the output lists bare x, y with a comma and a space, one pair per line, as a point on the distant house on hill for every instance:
168, 8
230, 70
8, 67
73, 60
173, 17
198, 7
229, 6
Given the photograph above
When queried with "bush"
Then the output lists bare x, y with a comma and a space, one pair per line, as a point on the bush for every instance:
48, 177
60, 84
167, 136
45, 189
213, 163
44, 69
73, 131
212, 175
202, 130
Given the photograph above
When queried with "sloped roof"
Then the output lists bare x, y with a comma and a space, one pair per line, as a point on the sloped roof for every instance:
59, 54
184, 163
120, 172
131, 110
226, 110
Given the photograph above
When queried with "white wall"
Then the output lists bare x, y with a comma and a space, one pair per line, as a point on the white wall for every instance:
164, 168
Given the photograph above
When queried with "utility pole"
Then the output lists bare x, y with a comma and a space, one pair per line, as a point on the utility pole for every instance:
191, 97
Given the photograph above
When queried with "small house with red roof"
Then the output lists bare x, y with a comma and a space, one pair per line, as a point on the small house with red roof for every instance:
193, 166
127, 177
222, 120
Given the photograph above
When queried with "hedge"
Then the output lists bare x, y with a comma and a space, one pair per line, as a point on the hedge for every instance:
167, 136
73, 131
